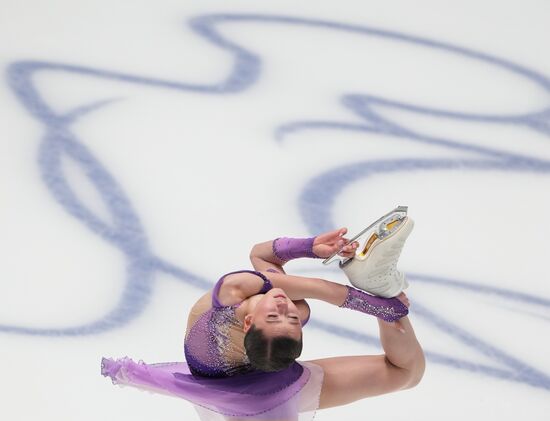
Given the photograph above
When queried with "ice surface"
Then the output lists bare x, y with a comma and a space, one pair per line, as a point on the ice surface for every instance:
145, 147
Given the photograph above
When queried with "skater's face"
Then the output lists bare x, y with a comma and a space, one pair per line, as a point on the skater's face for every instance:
276, 315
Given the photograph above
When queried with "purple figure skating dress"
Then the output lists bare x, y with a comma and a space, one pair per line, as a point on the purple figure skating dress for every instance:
217, 376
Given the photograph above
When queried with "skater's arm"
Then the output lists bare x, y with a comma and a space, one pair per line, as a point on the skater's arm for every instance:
274, 254
239, 286
301, 287
243, 285
262, 258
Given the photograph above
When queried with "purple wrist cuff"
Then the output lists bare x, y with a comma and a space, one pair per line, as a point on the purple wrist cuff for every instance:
387, 309
286, 249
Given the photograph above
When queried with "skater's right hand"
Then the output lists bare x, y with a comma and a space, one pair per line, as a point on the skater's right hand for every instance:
327, 244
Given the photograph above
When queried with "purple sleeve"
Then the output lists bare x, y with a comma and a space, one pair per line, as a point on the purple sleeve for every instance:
387, 309
286, 249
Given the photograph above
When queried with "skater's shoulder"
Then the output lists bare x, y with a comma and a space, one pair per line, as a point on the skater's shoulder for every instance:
235, 287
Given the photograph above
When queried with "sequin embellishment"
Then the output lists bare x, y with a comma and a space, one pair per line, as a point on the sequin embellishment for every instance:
387, 309
209, 349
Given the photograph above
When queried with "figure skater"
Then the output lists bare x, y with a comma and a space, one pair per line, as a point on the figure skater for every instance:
244, 336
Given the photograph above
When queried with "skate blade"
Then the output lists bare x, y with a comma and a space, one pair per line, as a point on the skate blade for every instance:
379, 229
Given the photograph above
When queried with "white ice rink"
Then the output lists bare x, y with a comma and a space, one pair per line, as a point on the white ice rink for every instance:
147, 145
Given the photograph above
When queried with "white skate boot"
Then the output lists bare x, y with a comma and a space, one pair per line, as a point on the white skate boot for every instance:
373, 268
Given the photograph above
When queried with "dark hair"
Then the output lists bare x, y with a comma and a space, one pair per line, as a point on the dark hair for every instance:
273, 354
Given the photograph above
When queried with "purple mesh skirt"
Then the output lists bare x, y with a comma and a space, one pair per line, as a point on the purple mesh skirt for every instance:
291, 394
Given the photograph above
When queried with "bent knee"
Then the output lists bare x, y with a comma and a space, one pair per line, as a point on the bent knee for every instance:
414, 381
411, 375
416, 373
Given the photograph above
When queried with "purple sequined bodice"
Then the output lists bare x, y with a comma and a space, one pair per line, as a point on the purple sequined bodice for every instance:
210, 348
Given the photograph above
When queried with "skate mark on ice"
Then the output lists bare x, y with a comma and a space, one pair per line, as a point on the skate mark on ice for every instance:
127, 234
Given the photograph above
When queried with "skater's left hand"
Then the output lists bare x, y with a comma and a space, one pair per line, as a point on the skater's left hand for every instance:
328, 243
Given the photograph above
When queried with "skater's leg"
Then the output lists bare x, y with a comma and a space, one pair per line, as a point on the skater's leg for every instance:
402, 349
351, 378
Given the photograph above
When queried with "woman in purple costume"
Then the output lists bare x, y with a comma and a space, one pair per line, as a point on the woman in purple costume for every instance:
244, 336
